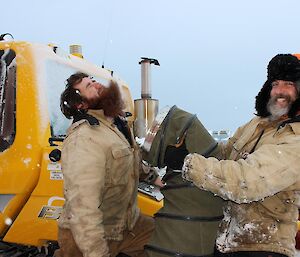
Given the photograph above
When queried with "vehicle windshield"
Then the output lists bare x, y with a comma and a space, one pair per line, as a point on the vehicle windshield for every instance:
57, 74
7, 98
55, 80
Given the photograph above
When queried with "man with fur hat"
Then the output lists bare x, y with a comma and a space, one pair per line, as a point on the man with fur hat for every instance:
260, 171
101, 165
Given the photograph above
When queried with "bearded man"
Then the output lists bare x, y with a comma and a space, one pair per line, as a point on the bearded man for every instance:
260, 171
101, 172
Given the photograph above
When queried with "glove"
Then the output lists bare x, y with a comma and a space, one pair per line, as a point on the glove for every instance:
186, 167
174, 156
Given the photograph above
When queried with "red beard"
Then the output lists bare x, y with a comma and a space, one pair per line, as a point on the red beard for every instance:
110, 101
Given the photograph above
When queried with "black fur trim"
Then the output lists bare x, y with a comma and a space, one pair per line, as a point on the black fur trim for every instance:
262, 99
294, 108
84, 116
281, 67
284, 67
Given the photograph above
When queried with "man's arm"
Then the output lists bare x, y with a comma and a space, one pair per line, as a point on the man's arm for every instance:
270, 169
84, 174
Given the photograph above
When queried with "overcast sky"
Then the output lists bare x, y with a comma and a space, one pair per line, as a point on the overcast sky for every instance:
213, 54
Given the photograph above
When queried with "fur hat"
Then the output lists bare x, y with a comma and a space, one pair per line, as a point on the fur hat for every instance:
281, 67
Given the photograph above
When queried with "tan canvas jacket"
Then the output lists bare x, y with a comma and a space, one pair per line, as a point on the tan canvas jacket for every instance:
262, 186
100, 184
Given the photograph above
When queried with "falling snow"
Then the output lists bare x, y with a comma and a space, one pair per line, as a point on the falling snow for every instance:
26, 161
8, 221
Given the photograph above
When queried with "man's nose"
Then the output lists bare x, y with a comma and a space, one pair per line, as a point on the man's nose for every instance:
279, 90
96, 85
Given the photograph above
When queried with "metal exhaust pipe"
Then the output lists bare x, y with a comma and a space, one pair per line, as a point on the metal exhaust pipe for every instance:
76, 50
146, 108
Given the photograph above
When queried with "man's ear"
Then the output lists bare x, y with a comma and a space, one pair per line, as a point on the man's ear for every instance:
82, 106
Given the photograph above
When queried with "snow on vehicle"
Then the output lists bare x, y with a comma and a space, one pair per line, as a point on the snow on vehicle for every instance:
32, 127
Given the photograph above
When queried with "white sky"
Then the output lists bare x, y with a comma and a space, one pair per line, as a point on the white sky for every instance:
213, 54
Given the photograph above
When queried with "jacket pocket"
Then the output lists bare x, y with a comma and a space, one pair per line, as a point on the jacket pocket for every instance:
120, 152
121, 166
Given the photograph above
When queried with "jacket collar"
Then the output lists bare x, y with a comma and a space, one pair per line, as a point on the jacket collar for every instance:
261, 124
293, 123
281, 123
103, 120
108, 122
85, 116
99, 115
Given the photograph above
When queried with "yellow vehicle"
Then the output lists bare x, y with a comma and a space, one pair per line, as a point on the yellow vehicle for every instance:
32, 126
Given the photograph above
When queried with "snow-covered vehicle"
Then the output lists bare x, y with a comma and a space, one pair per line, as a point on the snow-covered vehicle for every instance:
32, 127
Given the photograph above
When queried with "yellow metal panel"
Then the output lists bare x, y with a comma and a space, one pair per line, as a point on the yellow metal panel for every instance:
20, 163
148, 205
46, 201
30, 229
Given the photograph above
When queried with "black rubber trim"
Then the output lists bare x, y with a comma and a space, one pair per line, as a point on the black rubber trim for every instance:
172, 253
187, 218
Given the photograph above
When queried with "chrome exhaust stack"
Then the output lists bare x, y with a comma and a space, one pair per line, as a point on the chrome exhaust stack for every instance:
76, 50
146, 108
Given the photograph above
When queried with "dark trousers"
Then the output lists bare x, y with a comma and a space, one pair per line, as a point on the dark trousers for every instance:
135, 240
132, 244
248, 254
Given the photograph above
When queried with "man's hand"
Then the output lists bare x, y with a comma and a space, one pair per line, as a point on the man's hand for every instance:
152, 175
158, 182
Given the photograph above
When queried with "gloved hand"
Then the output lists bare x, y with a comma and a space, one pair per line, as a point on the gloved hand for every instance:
186, 167
174, 156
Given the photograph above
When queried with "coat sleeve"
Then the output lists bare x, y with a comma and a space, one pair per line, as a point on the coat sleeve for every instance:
267, 171
84, 175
